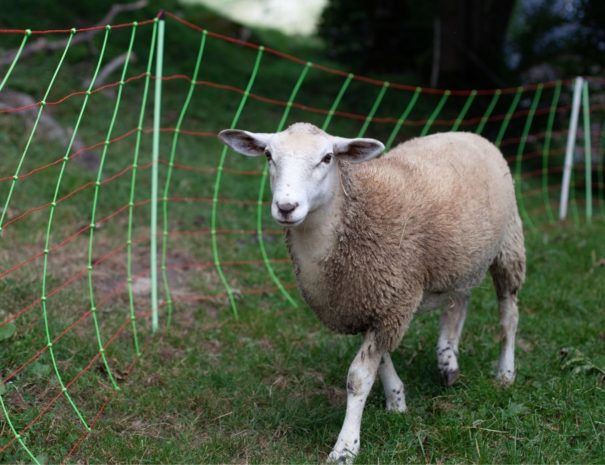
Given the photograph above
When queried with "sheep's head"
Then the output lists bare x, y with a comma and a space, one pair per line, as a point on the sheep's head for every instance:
302, 165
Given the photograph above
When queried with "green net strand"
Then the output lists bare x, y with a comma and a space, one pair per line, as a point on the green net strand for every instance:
261, 192
293, 94
587, 152
92, 225
175, 139
155, 172
435, 113
18, 437
133, 183
27, 35
508, 116
217, 186
464, 111
341, 92
600, 174
519, 156
53, 205
374, 108
33, 129
404, 116
95, 200
546, 151
64, 164
488, 112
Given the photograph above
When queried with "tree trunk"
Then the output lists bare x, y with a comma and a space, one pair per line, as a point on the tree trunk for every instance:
472, 37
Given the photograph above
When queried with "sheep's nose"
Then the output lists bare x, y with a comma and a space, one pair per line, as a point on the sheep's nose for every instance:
286, 208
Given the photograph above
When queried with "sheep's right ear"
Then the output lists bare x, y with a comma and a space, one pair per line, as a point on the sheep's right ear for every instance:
357, 150
247, 143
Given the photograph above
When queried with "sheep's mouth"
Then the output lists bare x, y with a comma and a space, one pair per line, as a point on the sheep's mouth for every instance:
289, 224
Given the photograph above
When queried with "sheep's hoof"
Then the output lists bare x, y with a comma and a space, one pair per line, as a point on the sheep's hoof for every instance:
344, 457
505, 378
396, 405
449, 377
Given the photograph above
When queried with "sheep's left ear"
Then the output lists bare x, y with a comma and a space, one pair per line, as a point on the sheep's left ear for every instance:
357, 150
251, 144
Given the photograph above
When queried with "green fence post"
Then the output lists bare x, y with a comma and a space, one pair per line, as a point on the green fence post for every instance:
569, 150
587, 152
133, 183
157, 109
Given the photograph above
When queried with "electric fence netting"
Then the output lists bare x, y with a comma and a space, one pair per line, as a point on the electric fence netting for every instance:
162, 217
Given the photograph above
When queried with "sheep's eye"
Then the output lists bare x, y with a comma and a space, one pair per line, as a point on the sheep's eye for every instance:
268, 155
327, 158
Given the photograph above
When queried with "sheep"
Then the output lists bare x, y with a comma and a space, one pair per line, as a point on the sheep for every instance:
375, 240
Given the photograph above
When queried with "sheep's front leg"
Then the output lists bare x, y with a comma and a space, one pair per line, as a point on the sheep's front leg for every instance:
393, 386
452, 321
362, 374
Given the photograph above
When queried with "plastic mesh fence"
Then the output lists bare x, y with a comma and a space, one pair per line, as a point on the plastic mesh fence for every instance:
79, 257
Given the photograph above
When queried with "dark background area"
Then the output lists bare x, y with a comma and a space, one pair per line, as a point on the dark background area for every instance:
468, 43
437, 43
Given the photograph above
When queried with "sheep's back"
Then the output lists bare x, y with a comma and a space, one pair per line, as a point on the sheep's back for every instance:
442, 201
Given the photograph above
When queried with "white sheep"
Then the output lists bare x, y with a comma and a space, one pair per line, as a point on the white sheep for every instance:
375, 242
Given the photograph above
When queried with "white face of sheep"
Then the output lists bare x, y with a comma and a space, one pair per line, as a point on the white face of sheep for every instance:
302, 165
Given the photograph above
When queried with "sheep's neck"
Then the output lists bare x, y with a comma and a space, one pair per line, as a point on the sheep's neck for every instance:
312, 242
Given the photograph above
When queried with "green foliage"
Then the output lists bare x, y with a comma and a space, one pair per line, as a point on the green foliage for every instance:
567, 38
449, 43
380, 36
576, 361
7, 331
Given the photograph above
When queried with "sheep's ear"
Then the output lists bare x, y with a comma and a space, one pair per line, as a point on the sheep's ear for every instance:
357, 150
247, 143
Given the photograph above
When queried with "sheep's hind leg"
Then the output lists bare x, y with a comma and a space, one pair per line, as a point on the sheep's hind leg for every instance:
451, 324
393, 386
362, 374
509, 318
508, 273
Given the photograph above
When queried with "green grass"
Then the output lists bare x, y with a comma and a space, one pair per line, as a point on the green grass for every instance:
268, 387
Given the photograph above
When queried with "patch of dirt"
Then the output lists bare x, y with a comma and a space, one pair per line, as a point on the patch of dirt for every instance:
169, 353
212, 346
281, 382
441, 405
525, 345
337, 397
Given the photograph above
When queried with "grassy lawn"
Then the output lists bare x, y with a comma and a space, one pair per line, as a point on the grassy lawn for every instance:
268, 387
